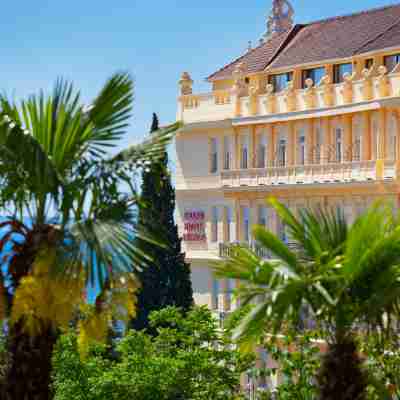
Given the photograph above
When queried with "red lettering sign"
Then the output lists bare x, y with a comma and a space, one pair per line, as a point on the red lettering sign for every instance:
194, 226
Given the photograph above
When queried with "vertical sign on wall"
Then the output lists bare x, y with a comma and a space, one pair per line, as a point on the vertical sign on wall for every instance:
194, 226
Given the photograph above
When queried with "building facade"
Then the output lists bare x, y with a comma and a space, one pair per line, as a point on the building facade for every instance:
310, 116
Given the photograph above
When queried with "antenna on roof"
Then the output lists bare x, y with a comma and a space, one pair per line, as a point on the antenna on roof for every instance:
280, 18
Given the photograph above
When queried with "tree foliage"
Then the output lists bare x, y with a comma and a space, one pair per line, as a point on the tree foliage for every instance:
188, 359
166, 281
346, 276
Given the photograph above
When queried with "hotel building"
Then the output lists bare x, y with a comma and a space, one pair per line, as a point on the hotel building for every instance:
309, 116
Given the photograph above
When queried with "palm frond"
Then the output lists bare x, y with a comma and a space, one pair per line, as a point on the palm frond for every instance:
24, 164
150, 150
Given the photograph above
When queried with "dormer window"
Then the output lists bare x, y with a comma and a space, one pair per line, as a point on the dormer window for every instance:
280, 81
391, 61
339, 70
315, 74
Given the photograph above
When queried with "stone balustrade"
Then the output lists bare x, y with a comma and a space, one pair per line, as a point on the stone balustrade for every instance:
226, 104
345, 172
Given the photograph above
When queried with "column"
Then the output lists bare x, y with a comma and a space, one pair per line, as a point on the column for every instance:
291, 143
236, 145
238, 220
382, 134
326, 129
253, 216
310, 141
366, 140
348, 140
380, 163
271, 144
252, 147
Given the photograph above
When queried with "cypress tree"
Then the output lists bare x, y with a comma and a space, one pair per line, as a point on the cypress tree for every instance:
166, 280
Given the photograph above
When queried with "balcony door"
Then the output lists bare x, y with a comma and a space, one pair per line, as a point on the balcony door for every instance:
244, 152
282, 152
246, 227
262, 152
228, 147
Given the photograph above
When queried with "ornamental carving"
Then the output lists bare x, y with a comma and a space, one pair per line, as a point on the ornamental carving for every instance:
347, 87
290, 97
280, 19
327, 90
270, 99
186, 84
239, 78
309, 94
383, 82
367, 90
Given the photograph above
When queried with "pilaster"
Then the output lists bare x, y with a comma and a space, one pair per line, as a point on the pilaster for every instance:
366, 140
291, 143
348, 140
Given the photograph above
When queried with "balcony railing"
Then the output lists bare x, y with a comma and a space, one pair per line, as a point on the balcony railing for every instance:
225, 104
227, 250
309, 174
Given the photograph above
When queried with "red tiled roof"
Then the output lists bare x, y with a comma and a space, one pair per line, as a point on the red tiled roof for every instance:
338, 37
332, 38
389, 38
256, 59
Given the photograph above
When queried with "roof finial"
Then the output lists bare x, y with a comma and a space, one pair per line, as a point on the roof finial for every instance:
280, 19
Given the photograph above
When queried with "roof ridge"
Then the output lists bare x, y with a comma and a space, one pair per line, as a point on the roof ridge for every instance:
369, 41
354, 14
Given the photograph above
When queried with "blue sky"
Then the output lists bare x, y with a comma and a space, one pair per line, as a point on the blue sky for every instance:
88, 40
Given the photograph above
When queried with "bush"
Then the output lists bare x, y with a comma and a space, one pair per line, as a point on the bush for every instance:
189, 358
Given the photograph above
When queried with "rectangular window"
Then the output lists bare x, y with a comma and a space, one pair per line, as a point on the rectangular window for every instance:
246, 224
302, 150
339, 70
318, 145
262, 153
213, 155
244, 158
282, 153
263, 216
215, 294
280, 81
227, 152
338, 146
315, 74
214, 225
229, 228
391, 61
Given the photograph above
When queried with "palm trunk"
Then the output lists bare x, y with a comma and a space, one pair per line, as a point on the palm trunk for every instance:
29, 376
341, 376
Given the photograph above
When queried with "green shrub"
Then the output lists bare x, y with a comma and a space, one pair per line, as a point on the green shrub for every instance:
189, 358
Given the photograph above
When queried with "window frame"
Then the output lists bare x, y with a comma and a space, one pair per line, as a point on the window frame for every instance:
338, 75
310, 74
391, 56
273, 80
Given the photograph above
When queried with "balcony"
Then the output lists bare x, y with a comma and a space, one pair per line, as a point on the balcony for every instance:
227, 250
346, 172
364, 90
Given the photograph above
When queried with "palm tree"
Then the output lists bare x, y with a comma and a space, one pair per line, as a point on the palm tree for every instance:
347, 276
67, 225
